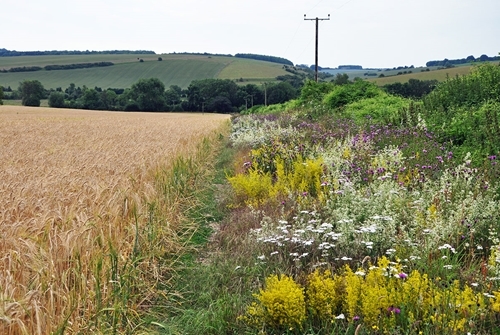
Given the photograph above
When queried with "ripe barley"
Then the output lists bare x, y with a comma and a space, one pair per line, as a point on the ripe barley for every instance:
76, 190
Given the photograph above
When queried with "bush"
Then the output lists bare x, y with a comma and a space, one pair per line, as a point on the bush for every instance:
56, 100
464, 110
281, 304
481, 85
345, 94
314, 92
32, 92
380, 297
383, 108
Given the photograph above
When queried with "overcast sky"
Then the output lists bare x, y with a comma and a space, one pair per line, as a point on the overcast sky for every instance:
371, 33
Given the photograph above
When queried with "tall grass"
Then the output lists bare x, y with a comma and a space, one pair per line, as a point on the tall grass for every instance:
92, 221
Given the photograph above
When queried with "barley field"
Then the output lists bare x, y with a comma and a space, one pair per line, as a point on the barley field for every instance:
85, 221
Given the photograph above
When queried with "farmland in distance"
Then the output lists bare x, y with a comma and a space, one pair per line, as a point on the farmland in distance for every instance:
174, 69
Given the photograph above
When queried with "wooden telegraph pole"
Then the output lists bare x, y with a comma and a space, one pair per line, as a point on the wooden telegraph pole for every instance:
317, 26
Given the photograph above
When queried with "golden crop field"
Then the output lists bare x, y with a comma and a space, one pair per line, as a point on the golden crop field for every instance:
84, 221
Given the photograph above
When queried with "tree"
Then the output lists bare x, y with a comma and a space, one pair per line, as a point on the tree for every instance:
202, 92
1, 95
108, 99
280, 92
220, 104
31, 92
341, 79
149, 94
470, 58
56, 100
173, 95
484, 58
90, 99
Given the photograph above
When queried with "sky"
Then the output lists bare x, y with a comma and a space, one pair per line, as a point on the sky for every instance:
370, 33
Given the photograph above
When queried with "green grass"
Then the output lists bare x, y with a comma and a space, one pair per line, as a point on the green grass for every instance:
175, 69
439, 75
19, 61
420, 73
250, 69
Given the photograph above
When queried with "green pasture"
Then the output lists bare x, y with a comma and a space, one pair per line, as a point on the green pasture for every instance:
19, 61
174, 69
249, 69
439, 75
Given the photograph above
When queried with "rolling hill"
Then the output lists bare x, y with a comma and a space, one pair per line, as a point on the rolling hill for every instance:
174, 69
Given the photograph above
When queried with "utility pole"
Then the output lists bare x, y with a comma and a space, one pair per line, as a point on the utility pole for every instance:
265, 95
317, 26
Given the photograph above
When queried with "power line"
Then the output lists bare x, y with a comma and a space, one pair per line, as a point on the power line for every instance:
317, 19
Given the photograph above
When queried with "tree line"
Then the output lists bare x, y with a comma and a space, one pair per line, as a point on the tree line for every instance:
57, 67
271, 59
10, 53
207, 95
470, 59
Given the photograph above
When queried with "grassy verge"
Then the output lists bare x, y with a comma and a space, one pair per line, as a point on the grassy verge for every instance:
212, 283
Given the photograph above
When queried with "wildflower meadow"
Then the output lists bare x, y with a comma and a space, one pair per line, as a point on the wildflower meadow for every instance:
352, 211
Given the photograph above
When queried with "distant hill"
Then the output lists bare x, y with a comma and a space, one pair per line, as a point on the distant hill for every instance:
14, 53
173, 69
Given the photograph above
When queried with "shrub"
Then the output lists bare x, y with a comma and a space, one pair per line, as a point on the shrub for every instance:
56, 100
281, 304
345, 94
380, 297
301, 178
253, 188
313, 91
383, 109
324, 294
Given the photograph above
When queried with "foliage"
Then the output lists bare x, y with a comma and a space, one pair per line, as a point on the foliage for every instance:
204, 92
464, 110
280, 93
414, 88
77, 66
149, 94
1, 95
480, 86
380, 297
297, 176
281, 304
272, 59
382, 191
345, 94
32, 92
313, 91
446, 62
383, 109
324, 294
341, 79
56, 100
10, 53
22, 69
